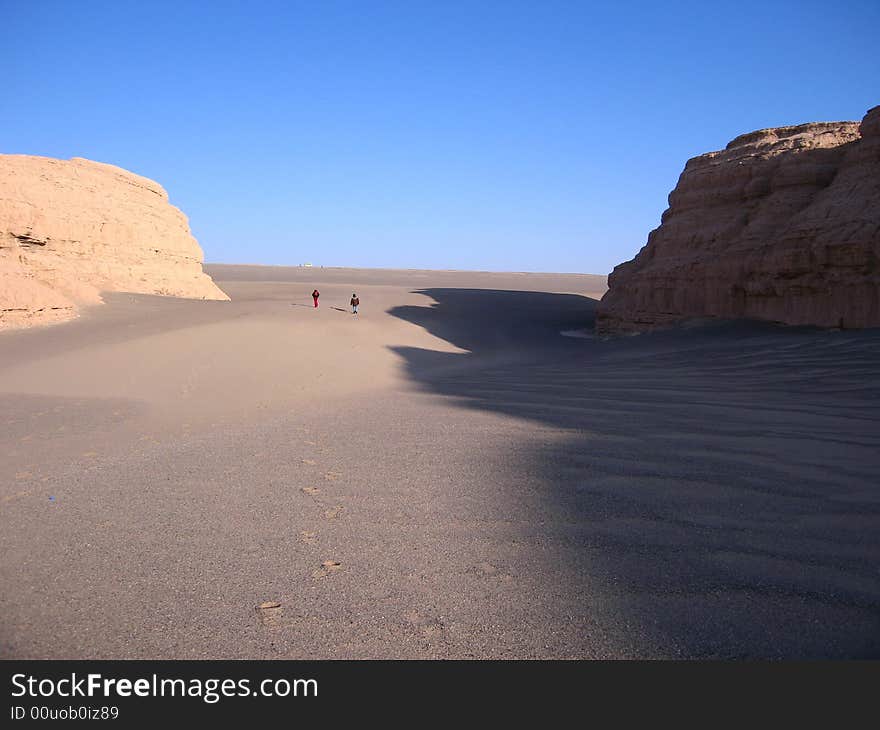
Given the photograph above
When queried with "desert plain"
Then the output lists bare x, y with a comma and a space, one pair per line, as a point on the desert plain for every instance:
445, 475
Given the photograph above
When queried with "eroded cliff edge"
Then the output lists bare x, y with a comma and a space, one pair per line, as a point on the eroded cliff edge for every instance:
70, 229
782, 225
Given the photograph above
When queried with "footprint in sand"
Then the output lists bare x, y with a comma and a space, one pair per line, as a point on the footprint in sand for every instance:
10, 497
311, 491
427, 625
309, 538
334, 512
269, 613
487, 570
327, 567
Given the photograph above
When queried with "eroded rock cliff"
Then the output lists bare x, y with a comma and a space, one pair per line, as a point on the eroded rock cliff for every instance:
70, 229
782, 225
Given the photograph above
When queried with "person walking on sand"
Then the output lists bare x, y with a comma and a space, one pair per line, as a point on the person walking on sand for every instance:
315, 295
355, 303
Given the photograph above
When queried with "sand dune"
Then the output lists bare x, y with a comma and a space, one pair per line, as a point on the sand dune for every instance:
442, 476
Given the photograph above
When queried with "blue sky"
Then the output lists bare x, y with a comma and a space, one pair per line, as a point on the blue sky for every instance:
526, 136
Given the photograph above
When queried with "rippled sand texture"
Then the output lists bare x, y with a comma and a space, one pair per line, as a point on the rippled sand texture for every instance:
444, 475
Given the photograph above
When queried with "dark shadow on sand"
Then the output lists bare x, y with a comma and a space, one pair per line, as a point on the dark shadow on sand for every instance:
723, 482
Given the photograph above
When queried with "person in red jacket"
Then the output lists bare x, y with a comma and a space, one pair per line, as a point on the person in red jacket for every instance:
315, 295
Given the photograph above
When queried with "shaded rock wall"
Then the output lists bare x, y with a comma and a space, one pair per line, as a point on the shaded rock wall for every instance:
781, 225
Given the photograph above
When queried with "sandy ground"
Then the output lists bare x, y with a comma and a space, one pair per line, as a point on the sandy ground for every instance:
443, 476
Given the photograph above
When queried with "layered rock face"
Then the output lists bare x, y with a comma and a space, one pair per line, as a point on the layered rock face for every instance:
782, 225
70, 229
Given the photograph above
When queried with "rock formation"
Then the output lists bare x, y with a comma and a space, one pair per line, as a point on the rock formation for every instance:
782, 225
70, 229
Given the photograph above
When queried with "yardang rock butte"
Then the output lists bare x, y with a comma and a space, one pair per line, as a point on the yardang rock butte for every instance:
70, 229
782, 225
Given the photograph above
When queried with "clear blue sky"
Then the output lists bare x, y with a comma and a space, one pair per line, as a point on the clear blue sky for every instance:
528, 136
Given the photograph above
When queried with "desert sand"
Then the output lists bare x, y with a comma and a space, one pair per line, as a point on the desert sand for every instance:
443, 476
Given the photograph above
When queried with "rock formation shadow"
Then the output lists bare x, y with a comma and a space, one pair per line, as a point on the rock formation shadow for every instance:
722, 482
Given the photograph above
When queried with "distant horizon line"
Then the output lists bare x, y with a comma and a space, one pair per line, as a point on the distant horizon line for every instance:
405, 268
